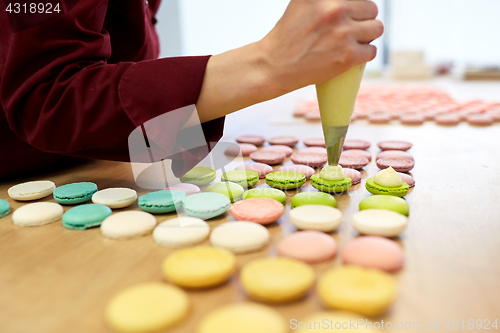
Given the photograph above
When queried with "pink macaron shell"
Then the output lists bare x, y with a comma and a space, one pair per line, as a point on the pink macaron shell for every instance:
357, 153
480, 119
312, 115
245, 149
397, 164
395, 154
353, 162
309, 246
184, 187
356, 144
271, 158
411, 119
379, 117
355, 175
374, 252
252, 139
447, 119
395, 145
288, 151
315, 142
313, 150
258, 210
495, 114
407, 179
285, 140
261, 168
303, 169
312, 160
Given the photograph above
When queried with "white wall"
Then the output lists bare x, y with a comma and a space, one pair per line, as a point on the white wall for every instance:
460, 30
215, 26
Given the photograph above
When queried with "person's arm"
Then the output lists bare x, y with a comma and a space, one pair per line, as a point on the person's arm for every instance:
313, 42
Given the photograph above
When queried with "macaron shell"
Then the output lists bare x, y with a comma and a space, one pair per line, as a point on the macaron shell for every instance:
85, 216
199, 267
389, 202
187, 188
181, 232
379, 222
374, 252
313, 150
331, 186
252, 139
447, 119
147, 307
355, 175
352, 162
285, 140
313, 198
285, 180
357, 153
240, 237
114, 198
395, 154
259, 210
315, 142
206, 205
160, 202
356, 144
4, 208
288, 151
271, 158
199, 176
244, 178
308, 246
261, 168
253, 317
312, 160
31, 190
231, 190
394, 145
244, 149
265, 192
480, 119
316, 217
407, 179
75, 193
36, 214
397, 164
304, 169
128, 224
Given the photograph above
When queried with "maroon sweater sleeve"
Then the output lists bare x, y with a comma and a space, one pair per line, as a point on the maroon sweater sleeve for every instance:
60, 95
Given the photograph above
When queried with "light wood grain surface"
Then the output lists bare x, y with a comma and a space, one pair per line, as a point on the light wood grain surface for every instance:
57, 280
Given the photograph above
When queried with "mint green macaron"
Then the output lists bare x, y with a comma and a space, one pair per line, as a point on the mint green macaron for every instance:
330, 186
383, 201
245, 178
265, 192
313, 198
206, 205
375, 188
161, 202
231, 190
285, 180
199, 176
4, 208
75, 193
85, 216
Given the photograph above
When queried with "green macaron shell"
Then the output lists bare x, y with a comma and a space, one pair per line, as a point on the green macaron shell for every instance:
375, 188
285, 180
383, 201
199, 176
313, 198
330, 186
206, 205
244, 178
85, 216
160, 202
265, 192
4, 208
75, 193
231, 190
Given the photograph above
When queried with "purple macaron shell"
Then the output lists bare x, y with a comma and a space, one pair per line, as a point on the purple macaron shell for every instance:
397, 164
261, 168
356, 144
395, 154
312, 160
270, 158
395, 145
357, 153
353, 162
303, 169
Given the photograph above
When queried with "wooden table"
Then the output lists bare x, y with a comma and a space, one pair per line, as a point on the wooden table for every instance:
57, 280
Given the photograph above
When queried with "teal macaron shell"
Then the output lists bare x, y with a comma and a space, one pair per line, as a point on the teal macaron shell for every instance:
285, 180
265, 192
160, 202
206, 205
75, 193
4, 208
383, 201
244, 178
199, 176
375, 188
330, 186
85, 216
313, 198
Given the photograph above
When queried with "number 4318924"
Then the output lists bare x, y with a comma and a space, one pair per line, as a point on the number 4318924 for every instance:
32, 8
485, 324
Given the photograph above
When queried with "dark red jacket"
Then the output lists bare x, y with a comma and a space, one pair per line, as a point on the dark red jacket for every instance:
80, 82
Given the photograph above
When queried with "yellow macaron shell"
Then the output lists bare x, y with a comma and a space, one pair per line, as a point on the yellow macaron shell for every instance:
353, 288
148, 307
276, 279
199, 267
243, 318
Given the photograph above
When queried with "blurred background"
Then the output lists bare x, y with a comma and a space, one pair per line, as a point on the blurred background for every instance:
423, 38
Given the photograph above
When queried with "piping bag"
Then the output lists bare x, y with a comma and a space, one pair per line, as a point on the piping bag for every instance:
336, 99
